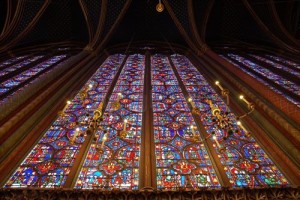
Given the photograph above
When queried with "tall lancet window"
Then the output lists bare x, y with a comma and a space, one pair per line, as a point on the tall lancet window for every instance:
50, 161
113, 160
245, 163
98, 140
17, 74
180, 162
273, 76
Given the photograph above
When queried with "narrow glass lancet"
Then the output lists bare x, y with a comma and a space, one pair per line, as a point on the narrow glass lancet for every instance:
17, 82
49, 162
12, 60
250, 67
116, 163
276, 65
180, 163
245, 163
8, 69
284, 61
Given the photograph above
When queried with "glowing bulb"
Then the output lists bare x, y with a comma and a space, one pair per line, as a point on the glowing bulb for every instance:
217, 82
90, 85
104, 138
238, 123
68, 102
77, 129
214, 137
160, 7
241, 97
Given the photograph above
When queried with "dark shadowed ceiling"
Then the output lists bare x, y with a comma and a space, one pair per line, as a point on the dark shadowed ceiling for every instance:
217, 22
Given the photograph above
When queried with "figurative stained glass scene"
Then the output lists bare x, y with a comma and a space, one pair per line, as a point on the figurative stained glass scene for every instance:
180, 162
113, 159
50, 161
96, 140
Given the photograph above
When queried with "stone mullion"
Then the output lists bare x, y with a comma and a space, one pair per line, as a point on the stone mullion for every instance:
270, 129
147, 160
277, 108
258, 124
19, 128
217, 165
80, 158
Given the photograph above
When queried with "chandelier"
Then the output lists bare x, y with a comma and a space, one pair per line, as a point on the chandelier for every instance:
221, 119
93, 122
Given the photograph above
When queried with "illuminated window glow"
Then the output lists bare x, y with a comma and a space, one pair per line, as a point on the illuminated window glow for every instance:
179, 161
245, 163
50, 161
118, 165
247, 64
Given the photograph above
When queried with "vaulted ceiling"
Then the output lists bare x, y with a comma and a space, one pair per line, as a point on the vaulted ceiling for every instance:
99, 24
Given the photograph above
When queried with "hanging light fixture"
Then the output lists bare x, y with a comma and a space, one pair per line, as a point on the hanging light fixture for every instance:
160, 7
221, 119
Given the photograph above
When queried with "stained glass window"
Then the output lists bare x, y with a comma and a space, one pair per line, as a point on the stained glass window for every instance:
112, 157
284, 61
8, 69
118, 165
50, 161
11, 61
180, 162
245, 163
9, 86
246, 64
276, 65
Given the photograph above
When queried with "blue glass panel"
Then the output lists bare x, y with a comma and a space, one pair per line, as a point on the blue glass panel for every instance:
50, 161
244, 161
180, 163
118, 165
